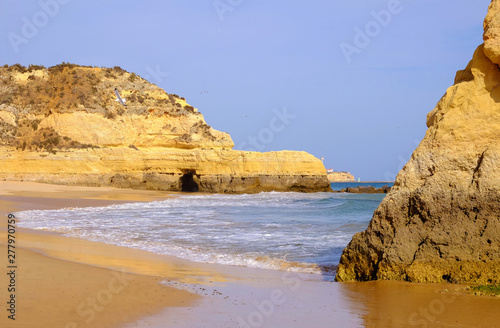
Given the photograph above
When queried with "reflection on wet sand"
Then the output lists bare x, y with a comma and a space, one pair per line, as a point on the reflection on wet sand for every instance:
400, 304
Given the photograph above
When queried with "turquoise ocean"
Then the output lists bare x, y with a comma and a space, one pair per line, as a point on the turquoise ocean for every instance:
273, 230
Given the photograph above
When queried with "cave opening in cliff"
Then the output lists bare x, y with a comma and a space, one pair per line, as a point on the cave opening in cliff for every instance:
188, 184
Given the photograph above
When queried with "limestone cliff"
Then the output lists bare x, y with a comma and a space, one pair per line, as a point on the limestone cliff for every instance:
340, 177
62, 125
441, 220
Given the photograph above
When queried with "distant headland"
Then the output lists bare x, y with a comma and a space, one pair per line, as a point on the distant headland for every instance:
339, 176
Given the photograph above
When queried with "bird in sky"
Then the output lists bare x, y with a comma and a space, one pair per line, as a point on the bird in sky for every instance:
118, 98
203, 92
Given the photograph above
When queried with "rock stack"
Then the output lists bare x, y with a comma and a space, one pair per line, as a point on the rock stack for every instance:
441, 220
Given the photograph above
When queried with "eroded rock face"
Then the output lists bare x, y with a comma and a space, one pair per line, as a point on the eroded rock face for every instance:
158, 168
441, 220
340, 177
77, 105
492, 32
62, 125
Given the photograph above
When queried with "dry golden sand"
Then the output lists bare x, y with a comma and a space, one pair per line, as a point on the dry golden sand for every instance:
56, 293
71, 284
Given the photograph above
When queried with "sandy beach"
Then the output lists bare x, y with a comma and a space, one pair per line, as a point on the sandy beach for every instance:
64, 282
67, 282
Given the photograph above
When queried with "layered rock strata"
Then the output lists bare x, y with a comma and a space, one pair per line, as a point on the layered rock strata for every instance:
340, 177
441, 220
62, 125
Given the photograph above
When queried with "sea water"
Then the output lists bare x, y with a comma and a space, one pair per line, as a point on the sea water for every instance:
273, 230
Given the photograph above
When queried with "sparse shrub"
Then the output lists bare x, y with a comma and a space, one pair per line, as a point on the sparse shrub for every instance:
6, 99
17, 68
110, 115
61, 67
486, 290
32, 68
132, 77
81, 98
119, 70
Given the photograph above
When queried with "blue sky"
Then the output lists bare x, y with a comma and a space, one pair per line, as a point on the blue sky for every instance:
350, 81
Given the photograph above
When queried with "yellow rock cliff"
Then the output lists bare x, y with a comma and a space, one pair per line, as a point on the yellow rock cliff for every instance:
62, 125
441, 220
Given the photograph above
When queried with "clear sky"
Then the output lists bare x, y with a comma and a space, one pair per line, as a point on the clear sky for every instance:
350, 81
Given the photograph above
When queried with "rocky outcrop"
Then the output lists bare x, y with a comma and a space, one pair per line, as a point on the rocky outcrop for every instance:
441, 220
62, 125
366, 190
340, 177
214, 170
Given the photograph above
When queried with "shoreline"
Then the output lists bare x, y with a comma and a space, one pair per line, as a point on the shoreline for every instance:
170, 292
100, 285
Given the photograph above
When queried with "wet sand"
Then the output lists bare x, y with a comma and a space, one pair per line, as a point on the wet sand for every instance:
67, 282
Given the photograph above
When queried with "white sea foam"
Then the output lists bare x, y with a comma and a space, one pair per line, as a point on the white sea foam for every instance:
280, 231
